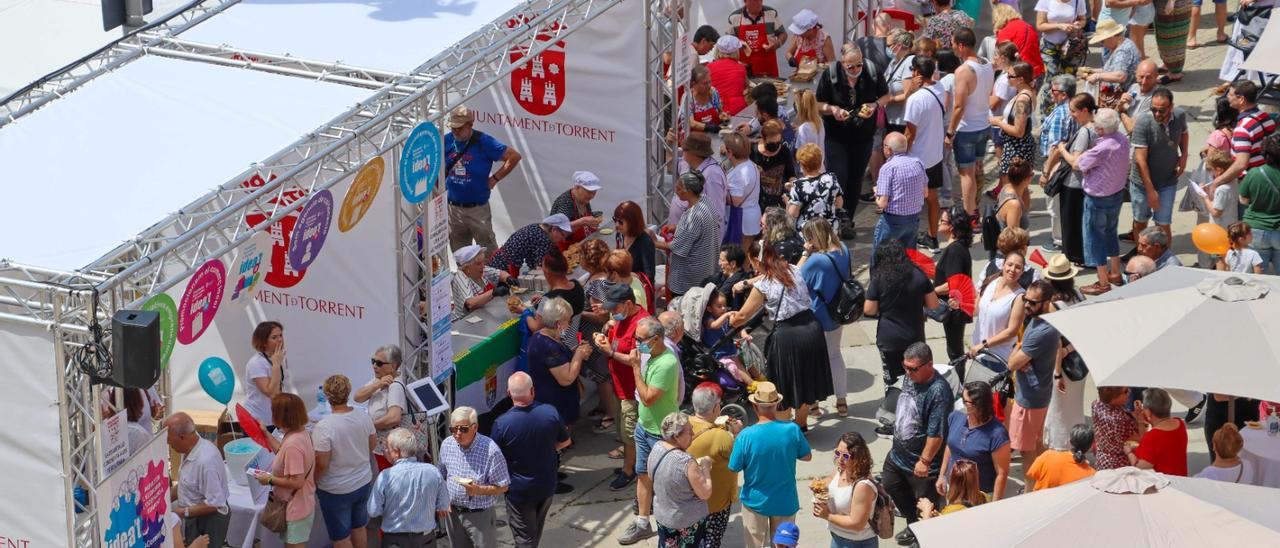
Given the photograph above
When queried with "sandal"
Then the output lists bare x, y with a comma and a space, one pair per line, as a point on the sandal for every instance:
842, 408
605, 425
616, 454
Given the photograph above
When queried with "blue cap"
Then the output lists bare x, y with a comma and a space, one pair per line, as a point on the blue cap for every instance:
787, 534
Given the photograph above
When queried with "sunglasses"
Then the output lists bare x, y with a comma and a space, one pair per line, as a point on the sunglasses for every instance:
1033, 302
840, 455
378, 363
460, 429
1155, 110
912, 369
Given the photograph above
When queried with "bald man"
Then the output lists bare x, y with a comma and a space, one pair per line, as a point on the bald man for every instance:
900, 191
530, 435
1138, 100
202, 482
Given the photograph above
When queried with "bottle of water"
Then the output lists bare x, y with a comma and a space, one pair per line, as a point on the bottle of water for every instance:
322, 403
1273, 424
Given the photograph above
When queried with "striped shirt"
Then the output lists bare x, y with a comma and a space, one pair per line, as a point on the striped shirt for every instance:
465, 288
482, 463
1252, 127
1106, 165
695, 249
902, 179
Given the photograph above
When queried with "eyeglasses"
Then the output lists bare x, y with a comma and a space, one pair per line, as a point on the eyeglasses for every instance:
461, 429
378, 363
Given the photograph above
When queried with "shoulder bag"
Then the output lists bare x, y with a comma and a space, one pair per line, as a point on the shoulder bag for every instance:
411, 419
274, 514
845, 307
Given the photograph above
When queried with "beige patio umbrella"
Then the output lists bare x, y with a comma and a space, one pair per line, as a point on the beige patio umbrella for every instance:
1126, 507
1193, 329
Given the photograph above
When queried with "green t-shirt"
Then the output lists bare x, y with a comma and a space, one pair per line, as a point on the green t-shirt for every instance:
662, 373
1264, 198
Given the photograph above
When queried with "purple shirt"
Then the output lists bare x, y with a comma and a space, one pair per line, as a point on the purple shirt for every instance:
714, 192
1106, 165
903, 180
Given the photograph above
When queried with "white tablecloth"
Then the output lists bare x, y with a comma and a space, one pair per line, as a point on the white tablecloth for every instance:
1263, 452
244, 522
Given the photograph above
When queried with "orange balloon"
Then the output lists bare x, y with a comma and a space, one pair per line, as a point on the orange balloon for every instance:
1210, 238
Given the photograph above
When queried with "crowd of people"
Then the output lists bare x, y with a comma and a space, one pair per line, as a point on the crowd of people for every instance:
750, 269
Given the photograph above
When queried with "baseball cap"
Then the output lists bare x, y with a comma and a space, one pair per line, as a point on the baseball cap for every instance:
728, 44
787, 534
466, 254
618, 294
803, 21
560, 221
587, 180
460, 116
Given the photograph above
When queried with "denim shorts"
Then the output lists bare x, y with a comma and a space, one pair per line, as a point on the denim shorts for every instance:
342, 513
970, 146
1143, 15
1101, 218
1142, 210
644, 444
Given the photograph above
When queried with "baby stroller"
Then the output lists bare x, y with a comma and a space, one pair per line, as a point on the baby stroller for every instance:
887, 413
700, 366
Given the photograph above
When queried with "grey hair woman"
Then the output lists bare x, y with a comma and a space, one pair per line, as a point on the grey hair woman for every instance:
681, 487
385, 396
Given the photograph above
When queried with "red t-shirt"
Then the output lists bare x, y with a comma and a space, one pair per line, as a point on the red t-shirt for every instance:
1167, 450
623, 339
729, 77
1023, 35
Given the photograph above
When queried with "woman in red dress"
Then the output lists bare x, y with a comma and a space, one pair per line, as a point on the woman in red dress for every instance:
1164, 447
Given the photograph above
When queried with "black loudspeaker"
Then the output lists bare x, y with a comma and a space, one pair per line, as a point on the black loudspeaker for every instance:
135, 349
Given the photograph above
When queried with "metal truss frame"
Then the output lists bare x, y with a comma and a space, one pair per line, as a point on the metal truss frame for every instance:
105, 59
214, 224
660, 104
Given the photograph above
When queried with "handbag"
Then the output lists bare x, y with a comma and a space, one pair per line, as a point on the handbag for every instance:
1058, 180
1073, 367
845, 307
275, 514
413, 420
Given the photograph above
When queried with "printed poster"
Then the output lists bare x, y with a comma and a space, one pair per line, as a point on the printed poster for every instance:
133, 501
438, 226
115, 443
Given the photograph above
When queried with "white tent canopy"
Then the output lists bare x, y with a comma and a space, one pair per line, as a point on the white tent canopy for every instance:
389, 35
107, 161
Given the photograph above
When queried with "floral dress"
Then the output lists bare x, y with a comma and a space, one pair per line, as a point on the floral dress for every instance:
1112, 425
1018, 147
816, 197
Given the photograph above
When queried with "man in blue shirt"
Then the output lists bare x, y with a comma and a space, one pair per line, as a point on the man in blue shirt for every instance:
469, 178
409, 496
1035, 360
766, 453
530, 435
911, 469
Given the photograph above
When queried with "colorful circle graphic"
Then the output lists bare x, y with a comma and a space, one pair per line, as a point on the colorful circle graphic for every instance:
361, 193
201, 300
420, 162
163, 305
311, 229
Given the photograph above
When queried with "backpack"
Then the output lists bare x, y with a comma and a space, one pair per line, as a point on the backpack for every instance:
845, 307
881, 519
990, 229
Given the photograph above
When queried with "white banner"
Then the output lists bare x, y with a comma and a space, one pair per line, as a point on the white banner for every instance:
830, 15
579, 106
35, 510
336, 309
133, 501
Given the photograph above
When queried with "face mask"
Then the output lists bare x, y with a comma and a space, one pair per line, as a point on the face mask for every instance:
644, 348
773, 147
619, 317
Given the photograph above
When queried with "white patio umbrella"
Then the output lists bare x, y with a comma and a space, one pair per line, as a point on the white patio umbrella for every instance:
1125, 507
1193, 329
